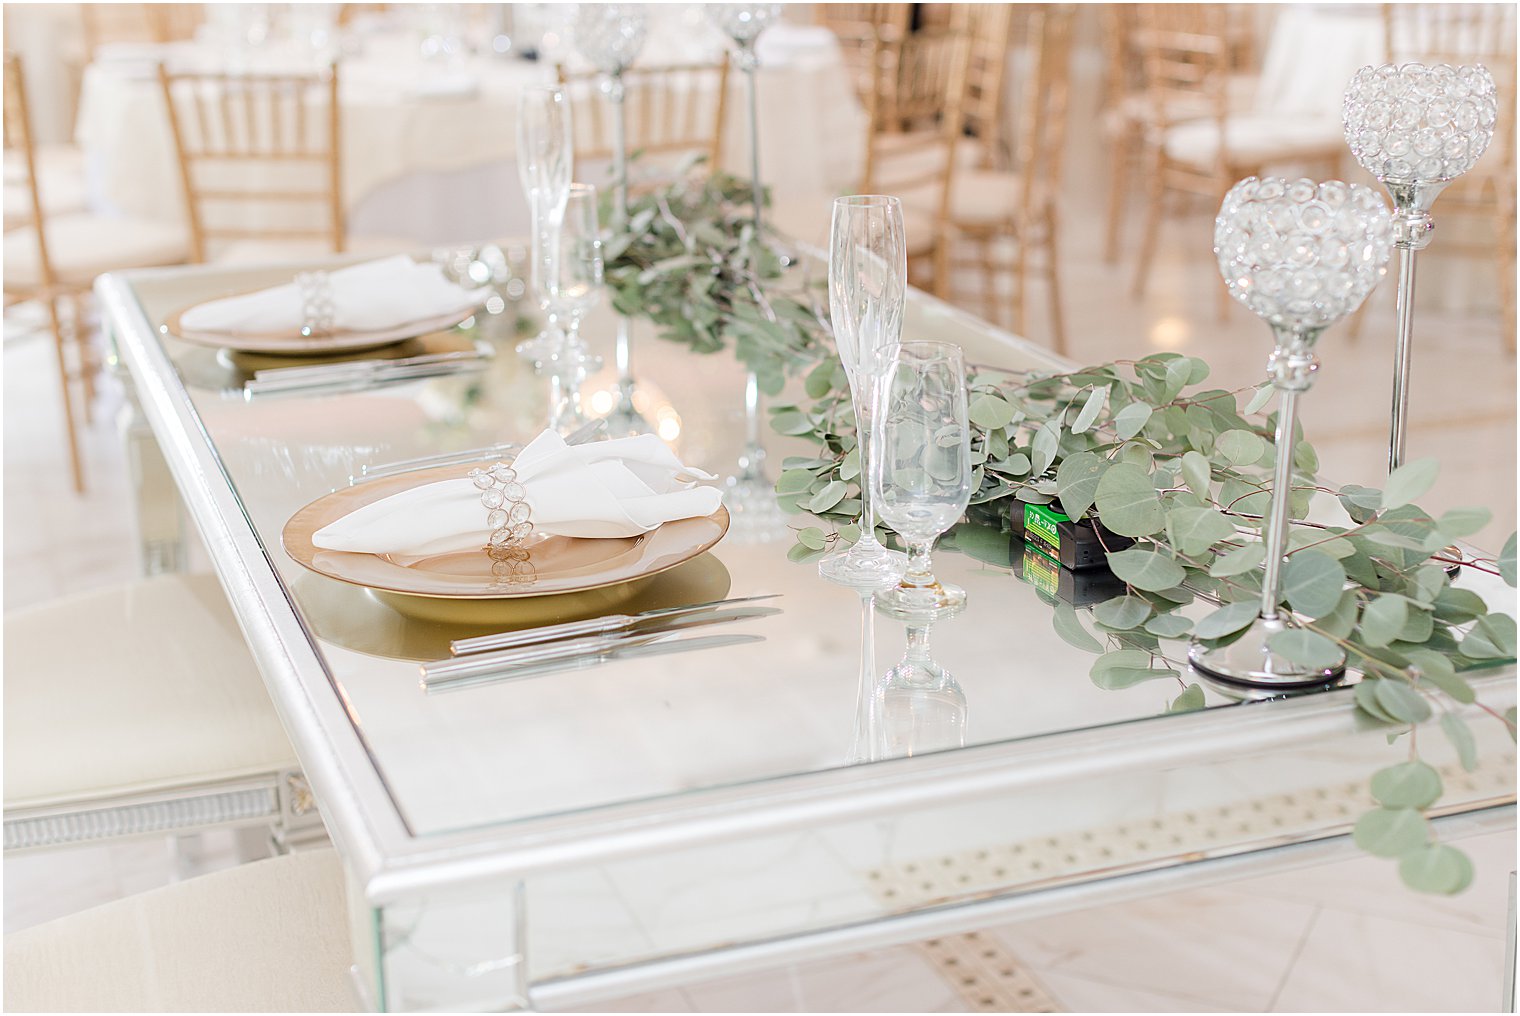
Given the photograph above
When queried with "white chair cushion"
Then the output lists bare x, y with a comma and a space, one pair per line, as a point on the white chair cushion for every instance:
51, 160
1255, 139
60, 184
145, 687
271, 936
807, 220
83, 246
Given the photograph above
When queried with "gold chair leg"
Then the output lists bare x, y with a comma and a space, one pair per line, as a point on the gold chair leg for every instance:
75, 464
1053, 287
82, 351
983, 244
1118, 188
1152, 227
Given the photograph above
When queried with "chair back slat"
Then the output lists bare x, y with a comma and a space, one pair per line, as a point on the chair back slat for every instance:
1039, 140
19, 143
247, 145
672, 111
916, 114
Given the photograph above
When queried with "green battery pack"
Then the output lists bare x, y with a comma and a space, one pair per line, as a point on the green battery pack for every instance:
1075, 545
1078, 588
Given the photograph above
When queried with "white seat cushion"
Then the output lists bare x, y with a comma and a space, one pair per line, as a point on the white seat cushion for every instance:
807, 221
60, 184
83, 246
271, 936
1255, 139
144, 687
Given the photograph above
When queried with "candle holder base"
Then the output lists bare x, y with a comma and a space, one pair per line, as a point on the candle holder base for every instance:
1249, 663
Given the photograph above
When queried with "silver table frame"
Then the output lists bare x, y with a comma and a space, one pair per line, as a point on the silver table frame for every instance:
389, 867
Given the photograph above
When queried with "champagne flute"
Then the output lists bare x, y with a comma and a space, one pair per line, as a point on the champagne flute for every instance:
922, 478
868, 278
545, 154
574, 288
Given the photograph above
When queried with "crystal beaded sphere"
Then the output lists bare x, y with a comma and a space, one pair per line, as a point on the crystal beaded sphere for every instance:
609, 36
742, 22
1420, 124
1302, 254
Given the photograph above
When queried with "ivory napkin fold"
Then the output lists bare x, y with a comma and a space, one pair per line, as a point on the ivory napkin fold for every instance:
601, 490
369, 297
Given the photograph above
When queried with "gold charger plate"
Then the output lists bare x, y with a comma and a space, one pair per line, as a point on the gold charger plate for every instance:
459, 587
353, 618
286, 344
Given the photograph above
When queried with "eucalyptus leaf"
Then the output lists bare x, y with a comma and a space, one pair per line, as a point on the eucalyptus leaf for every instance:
1145, 568
1195, 530
1127, 501
1401, 701
1259, 400
1461, 737
1492, 638
1312, 582
1122, 612
812, 537
1409, 481
1437, 669
1436, 868
1169, 626
828, 497
1196, 473
1391, 832
1305, 648
1069, 627
1131, 420
1507, 561
1460, 522
1227, 620
1383, 619
1238, 561
1191, 700
1077, 482
1406, 785
1365, 695
1239, 447
1090, 410
990, 412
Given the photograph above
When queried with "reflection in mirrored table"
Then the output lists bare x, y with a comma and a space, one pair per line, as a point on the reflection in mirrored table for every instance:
913, 707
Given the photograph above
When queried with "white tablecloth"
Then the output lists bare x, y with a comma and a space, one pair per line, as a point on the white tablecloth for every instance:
428, 150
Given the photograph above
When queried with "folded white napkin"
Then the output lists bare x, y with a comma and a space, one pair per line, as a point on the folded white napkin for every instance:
601, 490
373, 296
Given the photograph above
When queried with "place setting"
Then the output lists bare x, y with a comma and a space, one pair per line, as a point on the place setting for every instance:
391, 319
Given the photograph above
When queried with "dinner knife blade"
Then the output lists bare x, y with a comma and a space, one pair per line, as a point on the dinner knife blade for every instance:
593, 645
661, 647
590, 626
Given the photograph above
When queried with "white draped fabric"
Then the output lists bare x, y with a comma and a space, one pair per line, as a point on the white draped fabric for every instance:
428, 150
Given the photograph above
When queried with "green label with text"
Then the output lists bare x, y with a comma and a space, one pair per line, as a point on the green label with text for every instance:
1043, 524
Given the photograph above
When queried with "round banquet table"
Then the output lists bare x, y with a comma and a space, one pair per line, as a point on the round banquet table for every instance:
428, 150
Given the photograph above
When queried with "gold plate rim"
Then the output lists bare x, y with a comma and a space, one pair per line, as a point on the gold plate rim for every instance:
296, 535
286, 345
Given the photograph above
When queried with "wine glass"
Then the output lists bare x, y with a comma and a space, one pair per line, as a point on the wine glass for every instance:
574, 288
922, 479
868, 278
545, 157
1302, 256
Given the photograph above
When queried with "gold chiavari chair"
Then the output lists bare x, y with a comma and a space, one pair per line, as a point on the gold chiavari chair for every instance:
673, 112
1196, 143
1460, 33
52, 258
916, 124
990, 29
860, 29
990, 208
259, 159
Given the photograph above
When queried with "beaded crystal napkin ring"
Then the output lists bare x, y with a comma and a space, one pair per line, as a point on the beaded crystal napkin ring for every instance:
510, 520
317, 307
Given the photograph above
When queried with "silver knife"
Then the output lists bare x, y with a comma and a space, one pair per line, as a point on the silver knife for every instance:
354, 372
594, 645
625, 651
590, 626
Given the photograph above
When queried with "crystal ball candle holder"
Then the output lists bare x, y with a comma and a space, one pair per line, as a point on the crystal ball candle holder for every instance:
1416, 128
1301, 255
1417, 124
610, 36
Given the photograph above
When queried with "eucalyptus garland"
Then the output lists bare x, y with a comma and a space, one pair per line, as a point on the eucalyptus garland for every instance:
1140, 446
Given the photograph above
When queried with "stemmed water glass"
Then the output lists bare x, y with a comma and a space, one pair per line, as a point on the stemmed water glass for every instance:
868, 278
545, 159
575, 285
922, 478
1302, 256
917, 707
